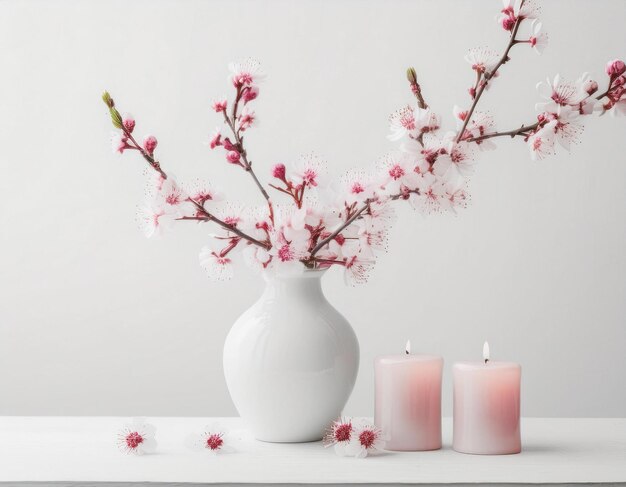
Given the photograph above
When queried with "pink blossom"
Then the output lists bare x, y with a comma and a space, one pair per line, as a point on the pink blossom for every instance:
356, 186
590, 86
357, 270
228, 145
507, 17
369, 440
518, 9
538, 40
171, 194
455, 195
220, 105
153, 220
457, 160
137, 438
233, 157
372, 235
430, 196
213, 440
245, 72
482, 60
231, 214
246, 119
217, 267
149, 144
397, 172
482, 123
308, 171
279, 171
541, 143
128, 122
459, 115
202, 192
250, 93
559, 93
290, 239
412, 121
339, 431
119, 143
431, 150
215, 139
615, 68
566, 125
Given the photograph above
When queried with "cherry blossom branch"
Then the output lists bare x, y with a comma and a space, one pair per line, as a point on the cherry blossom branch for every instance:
247, 165
345, 224
206, 216
417, 91
116, 118
525, 130
489, 75
522, 131
354, 217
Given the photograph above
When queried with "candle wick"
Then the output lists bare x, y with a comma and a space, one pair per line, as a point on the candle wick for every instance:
486, 360
406, 352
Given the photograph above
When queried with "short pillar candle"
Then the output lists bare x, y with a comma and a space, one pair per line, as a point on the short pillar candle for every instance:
408, 401
487, 407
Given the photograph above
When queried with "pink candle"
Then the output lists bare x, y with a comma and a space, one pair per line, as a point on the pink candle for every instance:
487, 407
408, 401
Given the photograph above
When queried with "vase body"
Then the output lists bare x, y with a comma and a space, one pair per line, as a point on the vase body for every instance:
291, 361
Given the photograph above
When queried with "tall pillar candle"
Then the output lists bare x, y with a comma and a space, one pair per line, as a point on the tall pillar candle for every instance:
408, 401
487, 407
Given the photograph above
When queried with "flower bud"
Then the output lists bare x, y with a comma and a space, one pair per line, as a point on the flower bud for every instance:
279, 171
590, 87
106, 98
233, 157
119, 143
149, 144
615, 68
220, 105
411, 75
508, 22
250, 94
216, 139
128, 122
228, 145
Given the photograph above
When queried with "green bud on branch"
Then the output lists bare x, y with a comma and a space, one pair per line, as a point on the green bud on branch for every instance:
108, 101
116, 118
411, 75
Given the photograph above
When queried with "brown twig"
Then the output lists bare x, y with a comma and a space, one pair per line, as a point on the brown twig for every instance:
231, 122
488, 76
523, 130
156, 165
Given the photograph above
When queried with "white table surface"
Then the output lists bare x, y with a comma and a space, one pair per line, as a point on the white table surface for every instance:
82, 451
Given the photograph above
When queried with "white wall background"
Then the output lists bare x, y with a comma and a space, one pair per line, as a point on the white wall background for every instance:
94, 319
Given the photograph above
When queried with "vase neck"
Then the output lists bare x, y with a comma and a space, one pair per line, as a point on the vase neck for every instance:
307, 284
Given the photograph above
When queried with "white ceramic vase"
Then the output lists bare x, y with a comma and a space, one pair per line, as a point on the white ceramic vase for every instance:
291, 361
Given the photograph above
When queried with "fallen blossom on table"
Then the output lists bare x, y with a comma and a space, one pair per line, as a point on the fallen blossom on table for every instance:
137, 437
213, 439
354, 438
